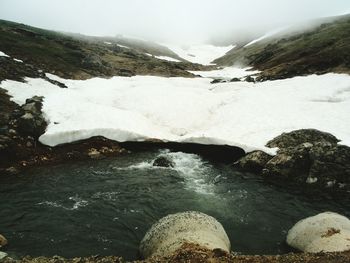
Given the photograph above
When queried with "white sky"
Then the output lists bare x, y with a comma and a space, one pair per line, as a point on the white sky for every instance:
181, 21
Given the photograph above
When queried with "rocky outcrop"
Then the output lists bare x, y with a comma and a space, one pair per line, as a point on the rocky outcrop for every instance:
325, 232
28, 120
175, 230
254, 161
306, 156
163, 161
249, 79
295, 138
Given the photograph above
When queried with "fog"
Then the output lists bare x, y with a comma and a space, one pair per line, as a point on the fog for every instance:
177, 21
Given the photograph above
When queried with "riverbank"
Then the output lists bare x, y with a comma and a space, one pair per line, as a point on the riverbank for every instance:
194, 254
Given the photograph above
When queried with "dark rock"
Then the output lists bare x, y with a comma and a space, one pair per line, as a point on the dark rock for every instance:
294, 138
5, 142
291, 162
235, 80
55, 82
254, 161
162, 161
217, 81
249, 79
310, 156
30, 124
29, 120
330, 163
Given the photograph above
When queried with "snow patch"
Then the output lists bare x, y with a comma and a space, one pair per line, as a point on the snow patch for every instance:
226, 73
241, 114
201, 54
267, 35
167, 58
123, 46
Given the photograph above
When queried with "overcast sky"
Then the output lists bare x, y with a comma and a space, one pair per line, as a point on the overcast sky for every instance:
166, 20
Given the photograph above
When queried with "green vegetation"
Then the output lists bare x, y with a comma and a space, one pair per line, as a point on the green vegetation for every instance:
325, 48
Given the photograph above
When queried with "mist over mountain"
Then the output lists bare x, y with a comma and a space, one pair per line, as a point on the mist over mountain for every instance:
178, 21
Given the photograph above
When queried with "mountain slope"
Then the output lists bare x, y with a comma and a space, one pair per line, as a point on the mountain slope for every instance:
325, 48
78, 58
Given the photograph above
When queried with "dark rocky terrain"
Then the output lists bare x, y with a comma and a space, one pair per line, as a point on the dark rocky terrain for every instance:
306, 158
324, 47
80, 57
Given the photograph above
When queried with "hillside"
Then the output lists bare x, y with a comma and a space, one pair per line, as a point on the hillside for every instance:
320, 49
81, 57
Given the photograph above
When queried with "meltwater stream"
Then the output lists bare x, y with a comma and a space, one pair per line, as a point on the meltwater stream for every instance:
105, 207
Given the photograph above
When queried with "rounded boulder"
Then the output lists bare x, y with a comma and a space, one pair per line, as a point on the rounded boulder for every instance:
171, 232
325, 232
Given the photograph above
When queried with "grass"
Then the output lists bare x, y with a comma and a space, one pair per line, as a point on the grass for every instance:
325, 48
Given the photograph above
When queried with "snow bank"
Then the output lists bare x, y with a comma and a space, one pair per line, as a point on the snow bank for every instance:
226, 73
202, 54
167, 58
241, 114
267, 35
2, 54
123, 46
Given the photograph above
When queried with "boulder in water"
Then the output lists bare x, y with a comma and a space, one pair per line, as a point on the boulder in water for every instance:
254, 161
325, 232
163, 161
175, 230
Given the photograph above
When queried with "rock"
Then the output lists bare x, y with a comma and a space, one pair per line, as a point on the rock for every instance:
235, 80
12, 171
249, 79
163, 161
292, 162
5, 143
94, 153
325, 232
29, 120
3, 255
217, 81
3, 241
311, 157
175, 230
254, 161
297, 137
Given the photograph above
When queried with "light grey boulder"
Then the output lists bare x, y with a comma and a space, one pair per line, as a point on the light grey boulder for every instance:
325, 232
172, 231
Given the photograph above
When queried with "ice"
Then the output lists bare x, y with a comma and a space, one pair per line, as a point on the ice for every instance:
201, 54
139, 108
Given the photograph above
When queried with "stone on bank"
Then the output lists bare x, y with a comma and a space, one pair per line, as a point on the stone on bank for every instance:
325, 232
175, 230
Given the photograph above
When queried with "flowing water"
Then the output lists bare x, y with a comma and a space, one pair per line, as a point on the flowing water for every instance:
105, 207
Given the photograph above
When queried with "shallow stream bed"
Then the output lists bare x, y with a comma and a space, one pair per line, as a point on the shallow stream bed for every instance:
106, 206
